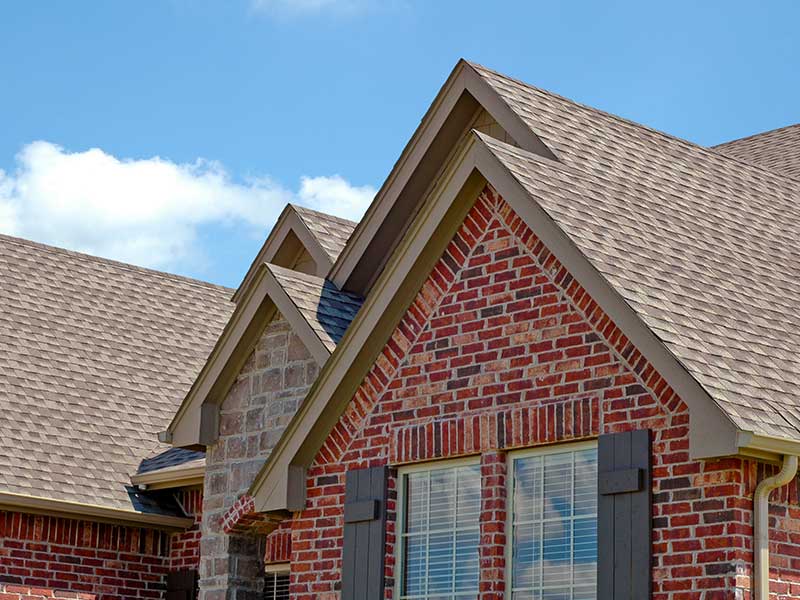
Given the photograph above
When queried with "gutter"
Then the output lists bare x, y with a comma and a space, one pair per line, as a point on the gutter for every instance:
93, 512
171, 477
761, 524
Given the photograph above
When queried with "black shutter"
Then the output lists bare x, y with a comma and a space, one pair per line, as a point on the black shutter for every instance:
624, 516
364, 534
182, 585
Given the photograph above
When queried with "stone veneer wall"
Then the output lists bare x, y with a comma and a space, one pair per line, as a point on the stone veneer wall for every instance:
254, 414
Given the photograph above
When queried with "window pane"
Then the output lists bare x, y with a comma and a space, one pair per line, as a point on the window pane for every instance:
276, 586
441, 534
554, 527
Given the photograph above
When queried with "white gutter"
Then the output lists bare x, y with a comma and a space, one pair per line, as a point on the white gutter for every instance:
761, 524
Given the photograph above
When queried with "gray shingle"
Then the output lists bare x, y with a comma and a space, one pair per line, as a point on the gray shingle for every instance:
331, 232
95, 357
327, 309
701, 247
777, 150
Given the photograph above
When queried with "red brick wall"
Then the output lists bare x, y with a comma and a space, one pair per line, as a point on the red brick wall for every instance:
184, 546
503, 349
51, 557
61, 556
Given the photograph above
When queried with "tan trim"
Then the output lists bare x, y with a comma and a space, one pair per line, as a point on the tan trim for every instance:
172, 477
280, 484
289, 222
90, 512
462, 95
195, 423
766, 448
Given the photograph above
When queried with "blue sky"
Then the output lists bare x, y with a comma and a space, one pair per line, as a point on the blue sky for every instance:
171, 133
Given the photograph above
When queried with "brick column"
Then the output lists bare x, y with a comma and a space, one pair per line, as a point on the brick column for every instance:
493, 525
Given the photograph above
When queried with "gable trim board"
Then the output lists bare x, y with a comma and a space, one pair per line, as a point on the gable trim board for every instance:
196, 422
289, 222
280, 485
93, 512
422, 162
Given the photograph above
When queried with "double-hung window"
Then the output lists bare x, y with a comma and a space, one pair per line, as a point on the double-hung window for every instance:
552, 553
440, 531
551, 532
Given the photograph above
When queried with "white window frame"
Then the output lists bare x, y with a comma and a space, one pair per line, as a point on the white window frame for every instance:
400, 516
513, 456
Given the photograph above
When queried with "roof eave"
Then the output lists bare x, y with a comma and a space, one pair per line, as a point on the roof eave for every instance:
92, 512
171, 477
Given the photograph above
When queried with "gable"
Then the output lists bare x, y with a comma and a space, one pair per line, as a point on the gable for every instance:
500, 349
464, 102
280, 486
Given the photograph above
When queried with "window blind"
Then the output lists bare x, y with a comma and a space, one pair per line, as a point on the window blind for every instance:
441, 533
554, 526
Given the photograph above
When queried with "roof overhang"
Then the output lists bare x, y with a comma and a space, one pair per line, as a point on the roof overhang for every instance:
92, 512
280, 486
196, 422
417, 171
188, 475
288, 238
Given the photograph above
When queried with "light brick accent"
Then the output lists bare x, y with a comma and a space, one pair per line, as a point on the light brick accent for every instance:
254, 414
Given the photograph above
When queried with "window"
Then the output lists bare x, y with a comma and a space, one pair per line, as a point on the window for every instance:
276, 582
439, 520
553, 550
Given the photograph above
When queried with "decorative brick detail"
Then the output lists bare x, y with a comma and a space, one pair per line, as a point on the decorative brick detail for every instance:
17, 592
243, 518
493, 525
516, 427
279, 544
68, 558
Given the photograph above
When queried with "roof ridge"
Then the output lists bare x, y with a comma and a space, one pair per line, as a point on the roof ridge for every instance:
111, 262
709, 150
755, 135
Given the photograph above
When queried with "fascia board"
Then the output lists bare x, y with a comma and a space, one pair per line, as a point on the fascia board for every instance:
91, 512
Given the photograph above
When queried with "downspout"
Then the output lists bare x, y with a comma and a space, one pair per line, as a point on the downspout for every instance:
761, 524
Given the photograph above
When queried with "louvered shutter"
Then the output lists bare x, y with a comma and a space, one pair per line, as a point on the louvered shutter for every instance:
624, 516
182, 585
363, 555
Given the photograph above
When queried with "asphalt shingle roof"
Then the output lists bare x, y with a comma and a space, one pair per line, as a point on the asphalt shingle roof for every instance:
331, 232
777, 150
327, 309
702, 246
95, 357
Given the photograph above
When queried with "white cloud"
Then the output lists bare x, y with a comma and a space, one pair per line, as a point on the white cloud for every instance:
150, 211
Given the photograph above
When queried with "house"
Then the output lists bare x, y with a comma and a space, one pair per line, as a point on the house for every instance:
554, 360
